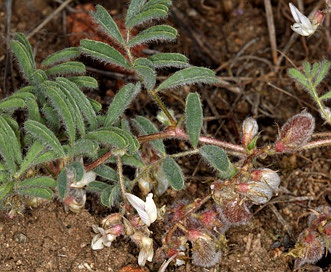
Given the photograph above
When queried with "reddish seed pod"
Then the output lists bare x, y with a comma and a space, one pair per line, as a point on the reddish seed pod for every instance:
295, 133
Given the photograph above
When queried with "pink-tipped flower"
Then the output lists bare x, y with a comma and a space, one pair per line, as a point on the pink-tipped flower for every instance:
295, 133
303, 25
250, 129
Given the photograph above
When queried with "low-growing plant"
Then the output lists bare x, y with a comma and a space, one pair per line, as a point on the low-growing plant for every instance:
67, 146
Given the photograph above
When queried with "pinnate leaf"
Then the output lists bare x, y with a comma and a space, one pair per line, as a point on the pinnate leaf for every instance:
193, 113
67, 68
108, 25
145, 127
188, 76
121, 101
45, 135
218, 159
103, 52
60, 56
145, 69
173, 173
154, 33
162, 60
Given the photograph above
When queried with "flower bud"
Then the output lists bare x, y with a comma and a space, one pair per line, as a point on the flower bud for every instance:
295, 133
318, 17
250, 129
309, 248
259, 192
266, 175
205, 252
234, 212
111, 220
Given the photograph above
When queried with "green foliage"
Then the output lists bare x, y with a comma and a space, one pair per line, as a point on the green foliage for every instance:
120, 102
63, 128
193, 112
311, 77
146, 127
173, 173
218, 159
188, 76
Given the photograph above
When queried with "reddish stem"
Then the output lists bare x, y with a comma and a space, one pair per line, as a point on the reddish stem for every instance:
176, 132
98, 162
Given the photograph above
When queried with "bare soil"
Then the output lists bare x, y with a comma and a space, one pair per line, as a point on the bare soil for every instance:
231, 37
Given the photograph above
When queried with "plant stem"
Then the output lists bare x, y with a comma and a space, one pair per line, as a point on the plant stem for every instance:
176, 132
120, 176
163, 108
98, 162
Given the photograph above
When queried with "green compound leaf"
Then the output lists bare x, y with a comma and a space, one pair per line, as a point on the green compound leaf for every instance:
6, 153
107, 137
323, 70
74, 108
191, 75
97, 186
11, 104
84, 104
36, 192
173, 173
43, 134
121, 101
107, 24
146, 127
5, 189
218, 159
23, 53
38, 182
299, 77
64, 110
67, 68
84, 82
61, 56
83, 147
135, 8
106, 172
78, 170
146, 71
33, 109
162, 60
132, 142
110, 195
103, 52
62, 183
154, 33
46, 157
193, 113
151, 11
35, 149
326, 96
11, 147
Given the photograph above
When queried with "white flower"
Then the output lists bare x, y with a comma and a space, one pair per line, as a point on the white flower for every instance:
302, 25
146, 210
102, 238
145, 244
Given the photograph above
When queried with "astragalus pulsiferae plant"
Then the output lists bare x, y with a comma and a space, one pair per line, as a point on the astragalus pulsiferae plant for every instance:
66, 146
